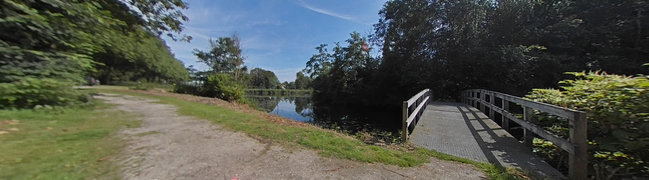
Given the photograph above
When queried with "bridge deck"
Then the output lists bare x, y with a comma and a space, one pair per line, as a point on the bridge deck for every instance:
464, 131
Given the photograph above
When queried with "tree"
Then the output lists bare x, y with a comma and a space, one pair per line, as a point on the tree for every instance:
157, 16
223, 57
342, 76
265, 79
302, 81
48, 46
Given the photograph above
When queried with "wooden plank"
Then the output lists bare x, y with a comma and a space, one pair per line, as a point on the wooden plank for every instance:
408, 117
491, 110
414, 113
505, 120
413, 99
528, 114
482, 103
404, 125
578, 159
548, 108
560, 142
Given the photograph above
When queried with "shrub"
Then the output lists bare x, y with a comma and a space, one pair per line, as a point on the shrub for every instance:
189, 88
224, 87
32, 92
216, 85
618, 120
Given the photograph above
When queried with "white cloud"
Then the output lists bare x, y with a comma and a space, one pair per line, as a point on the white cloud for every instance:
326, 12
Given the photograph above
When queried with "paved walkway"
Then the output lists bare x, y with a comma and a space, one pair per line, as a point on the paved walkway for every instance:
464, 131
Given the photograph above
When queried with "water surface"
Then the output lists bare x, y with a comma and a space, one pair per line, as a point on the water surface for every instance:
350, 119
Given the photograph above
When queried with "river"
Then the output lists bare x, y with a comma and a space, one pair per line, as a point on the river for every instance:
344, 118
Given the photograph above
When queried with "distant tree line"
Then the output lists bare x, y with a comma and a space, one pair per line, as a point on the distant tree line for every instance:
48, 46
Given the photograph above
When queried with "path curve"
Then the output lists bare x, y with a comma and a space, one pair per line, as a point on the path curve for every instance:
171, 146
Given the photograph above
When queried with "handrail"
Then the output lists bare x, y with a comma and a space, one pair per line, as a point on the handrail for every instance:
576, 145
420, 100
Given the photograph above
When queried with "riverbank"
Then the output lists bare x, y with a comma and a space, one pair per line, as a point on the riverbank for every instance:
279, 92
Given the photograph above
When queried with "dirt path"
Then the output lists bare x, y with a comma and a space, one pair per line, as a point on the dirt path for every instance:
170, 146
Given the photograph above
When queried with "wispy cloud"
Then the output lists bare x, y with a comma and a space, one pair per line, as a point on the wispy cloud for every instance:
194, 32
326, 12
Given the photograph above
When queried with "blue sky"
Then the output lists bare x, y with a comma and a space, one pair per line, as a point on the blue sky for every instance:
277, 35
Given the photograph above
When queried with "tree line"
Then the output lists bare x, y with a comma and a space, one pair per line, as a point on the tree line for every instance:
49, 46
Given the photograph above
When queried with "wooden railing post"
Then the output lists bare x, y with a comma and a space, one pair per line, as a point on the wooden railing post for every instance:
404, 122
472, 100
505, 120
482, 99
491, 109
475, 102
528, 136
578, 160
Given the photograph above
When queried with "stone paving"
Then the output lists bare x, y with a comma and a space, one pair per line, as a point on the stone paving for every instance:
464, 131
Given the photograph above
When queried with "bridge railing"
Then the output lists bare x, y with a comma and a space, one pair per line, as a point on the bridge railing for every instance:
412, 109
576, 145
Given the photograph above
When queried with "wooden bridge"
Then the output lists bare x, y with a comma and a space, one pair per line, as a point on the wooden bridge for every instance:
480, 128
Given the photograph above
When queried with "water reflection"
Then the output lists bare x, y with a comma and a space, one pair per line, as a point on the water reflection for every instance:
296, 108
350, 119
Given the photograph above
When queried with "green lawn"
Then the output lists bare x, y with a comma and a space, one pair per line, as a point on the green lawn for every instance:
327, 142
73, 143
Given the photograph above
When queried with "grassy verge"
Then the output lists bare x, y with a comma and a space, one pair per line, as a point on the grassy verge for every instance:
327, 142
74, 143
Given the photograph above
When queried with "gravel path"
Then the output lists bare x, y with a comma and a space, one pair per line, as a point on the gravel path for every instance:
171, 146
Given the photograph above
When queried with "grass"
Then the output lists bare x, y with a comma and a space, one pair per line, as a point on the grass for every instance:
328, 143
73, 143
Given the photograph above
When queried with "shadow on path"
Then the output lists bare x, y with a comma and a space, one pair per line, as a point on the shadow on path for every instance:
462, 131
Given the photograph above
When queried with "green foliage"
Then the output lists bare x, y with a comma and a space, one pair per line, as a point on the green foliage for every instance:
136, 56
188, 88
224, 56
31, 92
618, 120
48, 46
302, 81
220, 86
224, 87
343, 76
261, 78
509, 46
42, 55
160, 16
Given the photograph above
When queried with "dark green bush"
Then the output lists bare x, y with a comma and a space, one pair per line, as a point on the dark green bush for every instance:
618, 120
32, 92
224, 87
189, 88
